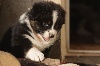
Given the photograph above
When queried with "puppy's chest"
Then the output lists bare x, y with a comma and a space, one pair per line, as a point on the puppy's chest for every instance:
36, 42
42, 45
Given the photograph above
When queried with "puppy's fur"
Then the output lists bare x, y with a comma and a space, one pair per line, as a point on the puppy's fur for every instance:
36, 30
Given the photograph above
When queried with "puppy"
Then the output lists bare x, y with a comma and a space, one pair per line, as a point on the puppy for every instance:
35, 31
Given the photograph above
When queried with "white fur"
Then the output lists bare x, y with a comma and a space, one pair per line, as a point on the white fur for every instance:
34, 54
55, 16
24, 19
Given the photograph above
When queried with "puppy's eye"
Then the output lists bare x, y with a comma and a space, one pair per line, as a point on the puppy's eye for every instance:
45, 24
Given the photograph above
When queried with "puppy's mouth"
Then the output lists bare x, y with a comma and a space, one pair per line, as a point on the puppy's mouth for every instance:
45, 38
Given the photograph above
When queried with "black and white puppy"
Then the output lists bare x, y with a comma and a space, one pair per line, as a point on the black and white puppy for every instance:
36, 30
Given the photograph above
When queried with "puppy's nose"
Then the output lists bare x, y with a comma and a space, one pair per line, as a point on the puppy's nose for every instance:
52, 36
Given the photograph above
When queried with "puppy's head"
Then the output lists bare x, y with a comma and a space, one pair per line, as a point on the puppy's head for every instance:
46, 19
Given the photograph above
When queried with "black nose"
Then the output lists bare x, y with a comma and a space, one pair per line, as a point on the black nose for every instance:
52, 36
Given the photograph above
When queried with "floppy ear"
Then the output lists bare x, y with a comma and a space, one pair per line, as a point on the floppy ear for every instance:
62, 15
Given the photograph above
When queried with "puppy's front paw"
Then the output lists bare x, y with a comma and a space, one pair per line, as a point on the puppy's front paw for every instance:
35, 55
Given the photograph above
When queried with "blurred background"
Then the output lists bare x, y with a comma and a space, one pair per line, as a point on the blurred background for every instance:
85, 24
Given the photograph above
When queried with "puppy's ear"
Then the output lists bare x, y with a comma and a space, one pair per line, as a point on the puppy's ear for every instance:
63, 14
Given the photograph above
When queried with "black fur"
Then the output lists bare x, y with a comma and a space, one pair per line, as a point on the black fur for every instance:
14, 41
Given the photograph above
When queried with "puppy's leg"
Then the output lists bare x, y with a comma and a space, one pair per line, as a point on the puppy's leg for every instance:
34, 54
